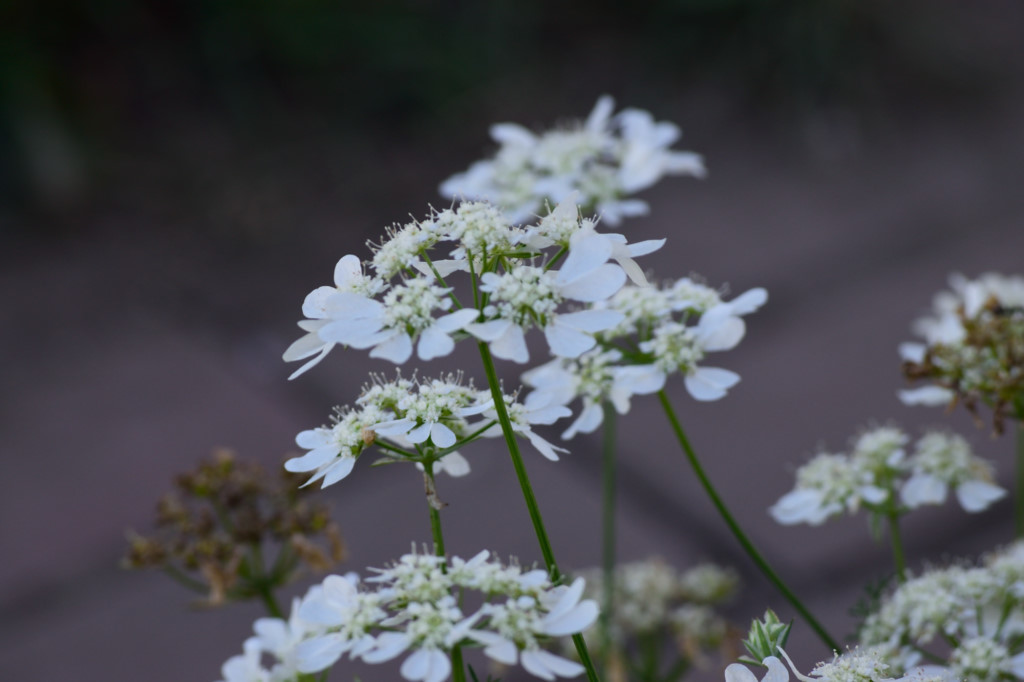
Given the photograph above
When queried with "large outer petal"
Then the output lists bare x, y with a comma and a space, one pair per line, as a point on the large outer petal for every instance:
710, 383
597, 284
976, 496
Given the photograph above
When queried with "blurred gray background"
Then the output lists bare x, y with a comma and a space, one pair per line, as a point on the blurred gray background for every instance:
175, 177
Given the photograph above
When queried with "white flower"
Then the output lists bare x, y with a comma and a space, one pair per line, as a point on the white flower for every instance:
391, 326
536, 408
348, 277
595, 377
736, 672
825, 486
529, 295
281, 637
346, 613
246, 667
942, 461
603, 159
332, 451
514, 628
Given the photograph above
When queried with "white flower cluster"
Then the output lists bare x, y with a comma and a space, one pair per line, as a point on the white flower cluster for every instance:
973, 344
867, 664
973, 613
406, 304
421, 421
604, 159
414, 607
651, 597
664, 329
878, 467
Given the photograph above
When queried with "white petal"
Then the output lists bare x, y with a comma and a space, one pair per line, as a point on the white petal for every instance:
596, 285
315, 304
511, 345
976, 496
545, 448
931, 396
512, 133
710, 383
737, 672
304, 347
503, 651
591, 320
923, 489
339, 470
397, 349
442, 436
567, 342
491, 330
434, 343
348, 305
533, 663
588, 250
576, 620
347, 271
639, 379
457, 320
319, 653
748, 301
561, 667
777, 672
912, 352
568, 599
389, 645
311, 461
719, 329
453, 464
645, 247
599, 115
420, 434
591, 417
802, 505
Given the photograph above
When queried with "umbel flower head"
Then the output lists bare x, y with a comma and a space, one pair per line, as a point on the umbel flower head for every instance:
880, 476
969, 616
662, 330
542, 276
419, 421
413, 609
973, 349
604, 159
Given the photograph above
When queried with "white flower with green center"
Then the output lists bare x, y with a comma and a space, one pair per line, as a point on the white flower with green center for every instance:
825, 486
596, 377
537, 408
348, 615
514, 629
859, 665
333, 450
428, 628
880, 450
390, 327
348, 277
433, 410
676, 347
530, 296
942, 461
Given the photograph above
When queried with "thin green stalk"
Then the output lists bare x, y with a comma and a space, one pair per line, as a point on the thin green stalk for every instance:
527, 489
458, 667
608, 531
267, 595
435, 515
741, 537
1018, 502
897, 546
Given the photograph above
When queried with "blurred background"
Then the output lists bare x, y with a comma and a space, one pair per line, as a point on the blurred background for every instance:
176, 176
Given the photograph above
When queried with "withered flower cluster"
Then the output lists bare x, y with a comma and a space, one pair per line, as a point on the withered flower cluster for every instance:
231, 531
983, 364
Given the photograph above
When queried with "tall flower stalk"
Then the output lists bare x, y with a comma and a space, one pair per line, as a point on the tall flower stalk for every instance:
737, 531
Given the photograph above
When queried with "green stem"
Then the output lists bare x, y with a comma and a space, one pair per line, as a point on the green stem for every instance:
1018, 502
458, 668
527, 489
897, 546
435, 515
608, 532
741, 537
267, 595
